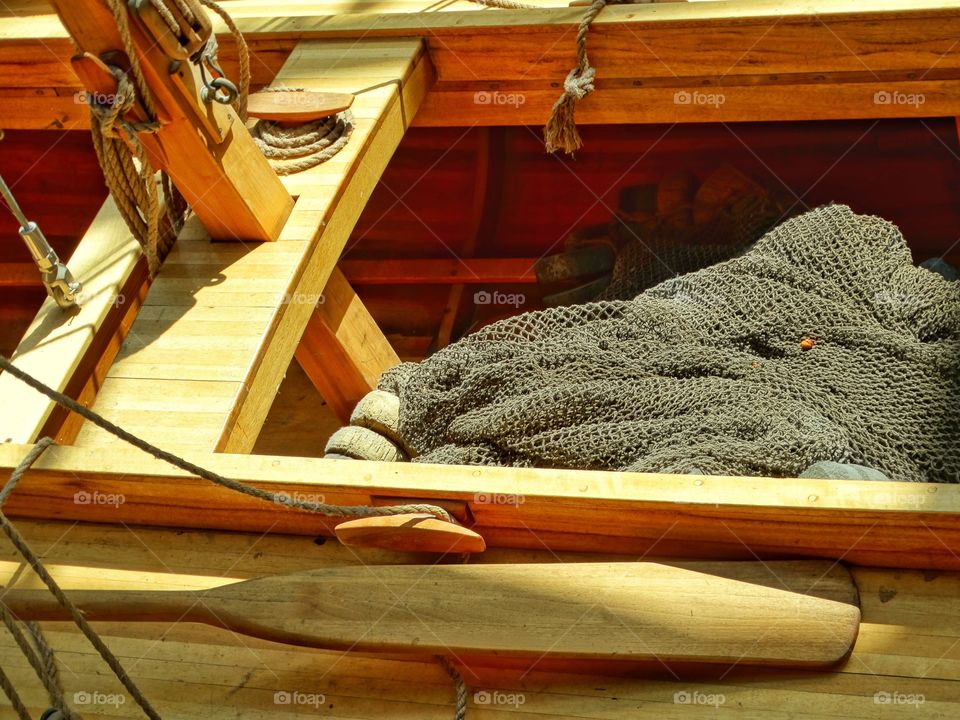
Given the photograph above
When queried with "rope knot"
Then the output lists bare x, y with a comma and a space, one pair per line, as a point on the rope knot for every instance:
579, 82
110, 108
561, 130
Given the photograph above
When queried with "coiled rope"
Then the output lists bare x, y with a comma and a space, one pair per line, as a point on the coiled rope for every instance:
293, 150
288, 149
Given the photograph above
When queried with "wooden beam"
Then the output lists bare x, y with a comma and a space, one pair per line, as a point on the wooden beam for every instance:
386, 271
886, 524
768, 59
404, 73
204, 147
19, 275
222, 320
62, 348
343, 351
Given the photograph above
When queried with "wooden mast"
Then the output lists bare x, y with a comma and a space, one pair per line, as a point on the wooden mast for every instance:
204, 147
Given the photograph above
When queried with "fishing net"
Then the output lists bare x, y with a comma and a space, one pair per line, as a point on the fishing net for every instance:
822, 342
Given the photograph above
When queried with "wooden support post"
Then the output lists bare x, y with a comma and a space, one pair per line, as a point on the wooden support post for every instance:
343, 351
203, 146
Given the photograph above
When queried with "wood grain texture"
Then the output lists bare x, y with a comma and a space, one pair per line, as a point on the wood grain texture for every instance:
200, 146
411, 532
768, 59
632, 612
233, 313
888, 524
907, 644
342, 350
59, 346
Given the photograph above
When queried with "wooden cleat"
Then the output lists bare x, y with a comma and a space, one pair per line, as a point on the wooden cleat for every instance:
296, 106
413, 532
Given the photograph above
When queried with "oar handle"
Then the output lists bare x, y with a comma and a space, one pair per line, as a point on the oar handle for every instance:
108, 605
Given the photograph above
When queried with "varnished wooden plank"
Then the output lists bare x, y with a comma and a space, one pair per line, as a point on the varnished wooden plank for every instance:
440, 271
818, 59
887, 524
904, 644
615, 102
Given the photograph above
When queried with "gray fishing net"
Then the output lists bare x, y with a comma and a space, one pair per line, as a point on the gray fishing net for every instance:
821, 342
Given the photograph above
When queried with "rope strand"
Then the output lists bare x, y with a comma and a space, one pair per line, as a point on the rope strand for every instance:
560, 132
178, 462
20, 543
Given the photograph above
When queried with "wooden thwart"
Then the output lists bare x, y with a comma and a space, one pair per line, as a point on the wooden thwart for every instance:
742, 613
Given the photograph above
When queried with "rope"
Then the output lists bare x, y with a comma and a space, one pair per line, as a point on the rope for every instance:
187, 9
44, 664
560, 132
40, 656
20, 543
505, 4
127, 169
459, 684
133, 189
51, 674
11, 692
293, 150
178, 462
123, 25
243, 53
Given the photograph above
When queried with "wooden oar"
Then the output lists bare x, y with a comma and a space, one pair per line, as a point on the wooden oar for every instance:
719, 612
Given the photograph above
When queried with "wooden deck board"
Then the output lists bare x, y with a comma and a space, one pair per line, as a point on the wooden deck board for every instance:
908, 645
770, 59
190, 331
